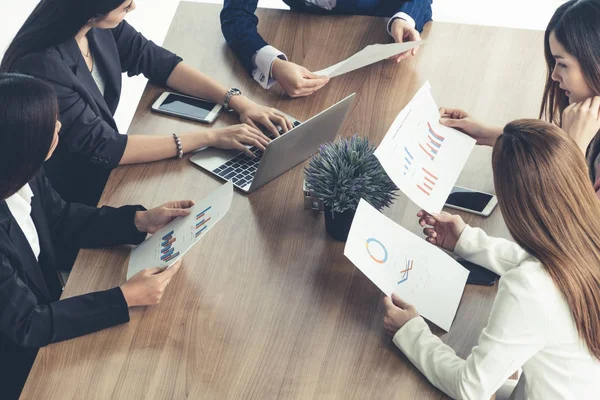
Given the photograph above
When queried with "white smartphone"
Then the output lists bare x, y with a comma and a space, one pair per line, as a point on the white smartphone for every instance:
472, 201
188, 107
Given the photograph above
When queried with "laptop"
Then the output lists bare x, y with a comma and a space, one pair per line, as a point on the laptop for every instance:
281, 154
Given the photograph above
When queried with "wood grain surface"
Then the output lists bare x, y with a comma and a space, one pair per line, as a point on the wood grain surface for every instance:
267, 306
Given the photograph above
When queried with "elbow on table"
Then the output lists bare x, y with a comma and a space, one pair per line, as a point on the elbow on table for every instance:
472, 388
32, 331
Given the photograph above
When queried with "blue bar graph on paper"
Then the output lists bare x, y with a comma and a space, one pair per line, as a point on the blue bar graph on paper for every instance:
201, 213
171, 257
408, 161
167, 254
168, 236
201, 230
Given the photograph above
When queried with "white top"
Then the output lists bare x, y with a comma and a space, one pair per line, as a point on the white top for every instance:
19, 205
98, 77
263, 59
530, 326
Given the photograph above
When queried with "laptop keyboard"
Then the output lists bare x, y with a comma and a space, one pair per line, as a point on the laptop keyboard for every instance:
242, 168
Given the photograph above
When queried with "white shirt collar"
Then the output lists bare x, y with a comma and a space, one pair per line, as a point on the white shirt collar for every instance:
19, 205
24, 193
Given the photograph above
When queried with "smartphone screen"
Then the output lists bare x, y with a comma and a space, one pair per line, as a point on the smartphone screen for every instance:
478, 275
195, 108
469, 199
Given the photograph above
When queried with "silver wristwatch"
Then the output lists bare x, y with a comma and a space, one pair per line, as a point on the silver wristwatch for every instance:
230, 93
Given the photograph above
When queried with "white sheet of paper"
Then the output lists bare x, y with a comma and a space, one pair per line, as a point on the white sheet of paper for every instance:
367, 56
170, 243
422, 157
397, 261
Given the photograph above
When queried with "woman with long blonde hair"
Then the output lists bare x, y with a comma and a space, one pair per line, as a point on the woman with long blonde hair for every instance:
546, 315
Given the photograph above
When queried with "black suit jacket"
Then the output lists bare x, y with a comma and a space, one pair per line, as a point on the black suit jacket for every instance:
90, 144
31, 314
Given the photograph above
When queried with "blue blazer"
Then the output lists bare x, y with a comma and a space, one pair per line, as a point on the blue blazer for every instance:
90, 144
238, 22
31, 314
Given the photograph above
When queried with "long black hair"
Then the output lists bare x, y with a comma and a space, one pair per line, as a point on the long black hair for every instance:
28, 114
576, 26
51, 23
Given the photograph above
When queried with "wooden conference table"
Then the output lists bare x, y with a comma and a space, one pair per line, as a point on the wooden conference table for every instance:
267, 306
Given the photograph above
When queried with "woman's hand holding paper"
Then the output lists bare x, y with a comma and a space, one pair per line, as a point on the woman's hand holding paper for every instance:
397, 313
442, 229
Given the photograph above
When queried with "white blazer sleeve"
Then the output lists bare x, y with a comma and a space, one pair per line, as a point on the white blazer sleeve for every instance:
515, 332
497, 255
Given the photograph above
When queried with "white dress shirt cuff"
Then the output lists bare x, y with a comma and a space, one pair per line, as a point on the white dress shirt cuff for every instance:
464, 245
407, 336
262, 62
403, 16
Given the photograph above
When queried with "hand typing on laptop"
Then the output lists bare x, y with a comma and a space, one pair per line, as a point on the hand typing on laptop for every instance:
238, 136
262, 160
241, 168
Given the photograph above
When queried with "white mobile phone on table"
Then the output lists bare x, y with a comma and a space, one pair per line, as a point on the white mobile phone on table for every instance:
193, 108
472, 201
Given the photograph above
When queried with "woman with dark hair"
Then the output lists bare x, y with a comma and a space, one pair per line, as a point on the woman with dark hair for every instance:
571, 97
546, 315
81, 47
35, 222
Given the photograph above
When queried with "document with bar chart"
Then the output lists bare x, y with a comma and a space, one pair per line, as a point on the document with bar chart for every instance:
171, 242
422, 157
398, 261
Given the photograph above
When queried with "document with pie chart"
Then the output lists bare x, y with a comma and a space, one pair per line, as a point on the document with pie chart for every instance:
398, 261
170, 243
422, 157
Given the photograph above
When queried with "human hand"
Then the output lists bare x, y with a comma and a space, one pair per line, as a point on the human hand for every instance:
397, 313
443, 230
237, 137
402, 32
296, 80
152, 220
581, 121
461, 120
254, 114
147, 287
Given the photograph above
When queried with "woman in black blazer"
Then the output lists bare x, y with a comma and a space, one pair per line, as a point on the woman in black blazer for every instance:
33, 227
68, 43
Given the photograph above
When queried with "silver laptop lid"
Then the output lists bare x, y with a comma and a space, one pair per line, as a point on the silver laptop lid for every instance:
289, 150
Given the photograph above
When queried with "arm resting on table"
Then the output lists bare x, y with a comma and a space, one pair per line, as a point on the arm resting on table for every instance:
496, 254
29, 324
88, 227
238, 24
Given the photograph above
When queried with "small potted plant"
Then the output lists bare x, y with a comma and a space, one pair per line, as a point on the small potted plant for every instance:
342, 173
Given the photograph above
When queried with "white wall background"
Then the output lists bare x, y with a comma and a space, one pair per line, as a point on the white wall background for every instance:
153, 17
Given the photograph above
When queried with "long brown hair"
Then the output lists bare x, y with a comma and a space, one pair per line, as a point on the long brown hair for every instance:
553, 213
576, 27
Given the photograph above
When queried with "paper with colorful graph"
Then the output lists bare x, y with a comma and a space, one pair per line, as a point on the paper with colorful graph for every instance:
400, 262
171, 242
422, 157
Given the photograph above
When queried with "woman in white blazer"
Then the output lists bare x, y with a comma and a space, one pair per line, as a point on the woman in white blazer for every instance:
546, 315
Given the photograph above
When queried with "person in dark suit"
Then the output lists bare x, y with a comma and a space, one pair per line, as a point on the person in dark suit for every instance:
82, 47
35, 221
268, 66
